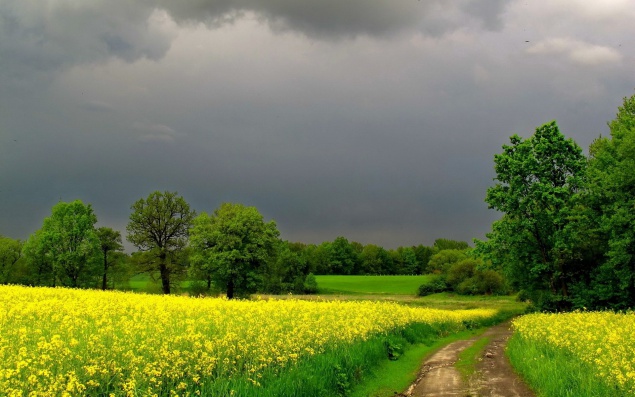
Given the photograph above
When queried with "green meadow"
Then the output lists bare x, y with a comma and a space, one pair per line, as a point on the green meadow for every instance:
370, 285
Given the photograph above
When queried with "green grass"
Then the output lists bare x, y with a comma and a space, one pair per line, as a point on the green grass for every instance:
451, 301
466, 364
553, 372
370, 285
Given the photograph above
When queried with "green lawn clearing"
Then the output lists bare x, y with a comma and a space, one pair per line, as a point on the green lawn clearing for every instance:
380, 285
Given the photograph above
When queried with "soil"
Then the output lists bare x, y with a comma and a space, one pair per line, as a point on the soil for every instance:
494, 376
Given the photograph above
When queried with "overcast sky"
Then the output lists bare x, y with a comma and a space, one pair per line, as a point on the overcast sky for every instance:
374, 120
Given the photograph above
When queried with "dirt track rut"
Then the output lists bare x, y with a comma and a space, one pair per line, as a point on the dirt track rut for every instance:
494, 375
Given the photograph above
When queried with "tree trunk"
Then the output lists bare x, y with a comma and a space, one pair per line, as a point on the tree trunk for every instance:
230, 288
165, 274
209, 283
105, 279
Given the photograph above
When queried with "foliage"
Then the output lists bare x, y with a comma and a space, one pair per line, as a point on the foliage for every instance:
232, 246
285, 270
342, 257
102, 342
441, 244
423, 255
405, 261
66, 248
605, 229
310, 284
10, 254
159, 226
538, 179
441, 261
375, 260
109, 240
588, 351
434, 285
37, 261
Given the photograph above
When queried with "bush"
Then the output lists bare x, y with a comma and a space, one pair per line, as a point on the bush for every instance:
298, 285
460, 272
435, 285
310, 284
491, 282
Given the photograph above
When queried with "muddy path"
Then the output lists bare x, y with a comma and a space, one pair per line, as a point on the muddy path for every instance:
494, 376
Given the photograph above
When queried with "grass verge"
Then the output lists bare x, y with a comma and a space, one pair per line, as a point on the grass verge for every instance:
552, 372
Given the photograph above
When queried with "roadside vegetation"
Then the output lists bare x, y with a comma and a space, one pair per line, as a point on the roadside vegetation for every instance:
576, 354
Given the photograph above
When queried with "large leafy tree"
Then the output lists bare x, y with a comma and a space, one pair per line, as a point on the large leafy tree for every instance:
537, 181
610, 215
231, 246
69, 241
109, 241
159, 226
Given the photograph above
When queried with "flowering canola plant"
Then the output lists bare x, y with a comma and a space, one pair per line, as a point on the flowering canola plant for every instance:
64, 342
604, 340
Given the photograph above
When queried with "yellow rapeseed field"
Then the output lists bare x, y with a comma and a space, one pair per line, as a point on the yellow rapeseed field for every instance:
63, 342
604, 340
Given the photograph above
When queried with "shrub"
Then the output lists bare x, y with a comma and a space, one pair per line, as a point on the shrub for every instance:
435, 285
310, 284
460, 272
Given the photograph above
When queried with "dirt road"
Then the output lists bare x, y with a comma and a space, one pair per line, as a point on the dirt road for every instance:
494, 375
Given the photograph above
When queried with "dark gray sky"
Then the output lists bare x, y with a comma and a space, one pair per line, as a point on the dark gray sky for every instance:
375, 120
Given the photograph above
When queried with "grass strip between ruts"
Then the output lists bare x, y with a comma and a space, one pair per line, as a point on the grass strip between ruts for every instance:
466, 364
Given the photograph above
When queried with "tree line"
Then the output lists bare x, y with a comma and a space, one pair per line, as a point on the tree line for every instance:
231, 249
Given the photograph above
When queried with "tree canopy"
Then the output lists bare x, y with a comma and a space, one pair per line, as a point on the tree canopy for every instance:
232, 245
538, 179
607, 218
68, 244
159, 225
109, 240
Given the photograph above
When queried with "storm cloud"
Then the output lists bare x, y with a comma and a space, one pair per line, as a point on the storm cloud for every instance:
373, 120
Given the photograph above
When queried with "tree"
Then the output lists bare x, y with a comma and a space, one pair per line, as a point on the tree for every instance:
232, 245
109, 240
10, 254
608, 233
38, 260
159, 225
342, 256
538, 179
285, 270
375, 260
423, 255
69, 241
442, 260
